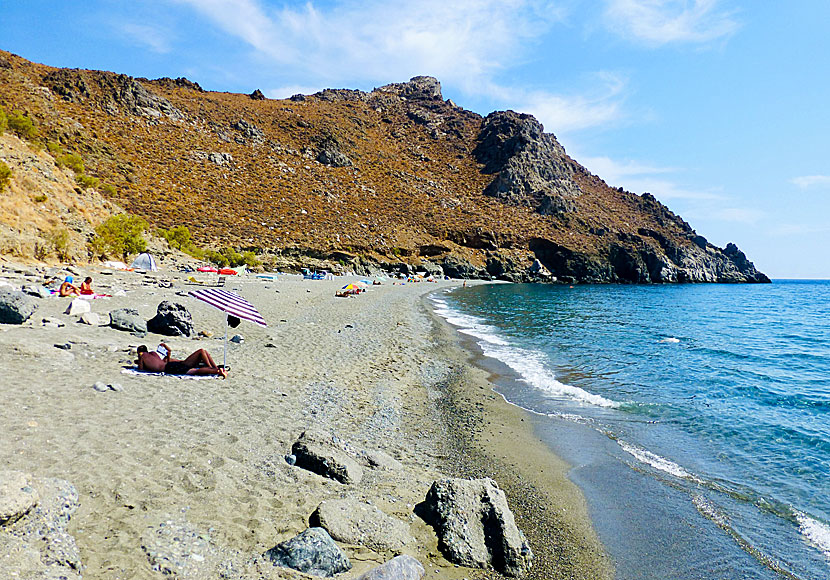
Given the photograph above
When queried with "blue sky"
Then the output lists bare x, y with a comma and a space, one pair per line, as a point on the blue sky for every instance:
720, 108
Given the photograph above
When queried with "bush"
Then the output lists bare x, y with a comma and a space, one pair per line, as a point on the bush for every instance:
178, 237
120, 235
5, 175
54, 148
71, 160
108, 189
21, 124
216, 257
86, 181
39, 198
4, 121
59, 240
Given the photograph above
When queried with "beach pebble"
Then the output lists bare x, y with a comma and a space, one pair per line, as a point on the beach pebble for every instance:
355, 522
312, 551
64, 346
291, 459
475, 527
17, 496
116, 387
50, 322
398, 568
237, 338
100, 387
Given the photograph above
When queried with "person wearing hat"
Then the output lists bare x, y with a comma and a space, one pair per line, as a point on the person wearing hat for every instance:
68, 289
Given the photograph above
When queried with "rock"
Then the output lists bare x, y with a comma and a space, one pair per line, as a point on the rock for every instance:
180, 550
313, 552
398, 568
127, 319
17, 496
116, 387
475, 527
248, 131
15, 307
220, 158
52, 322
64, 346
420, 87
257, 95
78, 306
316, 451
171, 319
38, 291
290, 459
237, 338
91, 318
355, 522
100, 387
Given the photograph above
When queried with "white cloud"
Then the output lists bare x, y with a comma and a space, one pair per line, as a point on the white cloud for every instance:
660, 22
155, 39
806, 181
291, 90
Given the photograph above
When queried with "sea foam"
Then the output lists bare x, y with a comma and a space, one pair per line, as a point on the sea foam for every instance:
816, 532
657, 462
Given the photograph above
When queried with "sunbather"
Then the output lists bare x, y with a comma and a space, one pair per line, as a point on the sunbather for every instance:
68, 289
86, 286
198, 363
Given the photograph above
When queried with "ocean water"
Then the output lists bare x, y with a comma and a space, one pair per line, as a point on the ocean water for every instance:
697, 416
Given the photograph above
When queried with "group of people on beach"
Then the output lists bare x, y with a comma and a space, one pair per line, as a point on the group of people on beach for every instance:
69, 289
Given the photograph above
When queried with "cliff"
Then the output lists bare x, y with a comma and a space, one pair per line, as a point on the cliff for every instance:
395, 179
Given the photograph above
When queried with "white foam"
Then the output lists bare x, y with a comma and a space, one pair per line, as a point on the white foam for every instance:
657, 462
816, 532
709, 510
670, 340
527, 364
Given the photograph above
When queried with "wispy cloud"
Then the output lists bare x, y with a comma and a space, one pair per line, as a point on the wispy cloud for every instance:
806, 181
154, 38
661, 22
465, 43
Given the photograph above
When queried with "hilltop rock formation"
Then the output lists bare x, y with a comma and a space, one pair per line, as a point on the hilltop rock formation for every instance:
397, 179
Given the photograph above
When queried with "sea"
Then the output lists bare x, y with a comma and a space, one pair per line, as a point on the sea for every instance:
696, 416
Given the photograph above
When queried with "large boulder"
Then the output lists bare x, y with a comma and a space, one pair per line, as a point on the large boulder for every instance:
475, 527
17, 496
398, 568
78, 306
15, 307
355, 522
318, 452
127, 319
171, 319
313, 552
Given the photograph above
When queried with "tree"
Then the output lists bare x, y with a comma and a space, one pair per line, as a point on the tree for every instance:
120, 234
178, 237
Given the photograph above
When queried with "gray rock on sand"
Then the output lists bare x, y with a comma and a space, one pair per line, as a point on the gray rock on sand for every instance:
127, 319
37, 291
317, 452
312, 551
355, 522
15, 307
475, 526
17, 496
78, 306
91, 318
398, 568
180, 550
171, 319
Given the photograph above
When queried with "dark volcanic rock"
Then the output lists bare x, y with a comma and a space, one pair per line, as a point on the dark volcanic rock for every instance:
15, 307
475, 526
530, 166
257, 95
171, 319
313, 552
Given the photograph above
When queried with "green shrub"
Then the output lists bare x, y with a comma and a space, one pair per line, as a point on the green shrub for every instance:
178, 237
59, 240
4, 121
108, 189
86, 181
120, 235
5, 175
71, 160
54, 148
216, 258
40, 198
21, 124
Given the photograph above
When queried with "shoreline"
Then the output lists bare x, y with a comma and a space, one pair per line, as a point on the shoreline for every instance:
379, 371
549, 507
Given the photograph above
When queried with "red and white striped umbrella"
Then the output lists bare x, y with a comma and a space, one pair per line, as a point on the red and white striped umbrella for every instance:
229, 302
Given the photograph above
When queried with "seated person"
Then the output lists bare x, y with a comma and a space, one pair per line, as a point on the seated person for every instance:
68, 289
198, 363
86, 286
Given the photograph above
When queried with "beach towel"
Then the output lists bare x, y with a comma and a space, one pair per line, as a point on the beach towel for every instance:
135, 371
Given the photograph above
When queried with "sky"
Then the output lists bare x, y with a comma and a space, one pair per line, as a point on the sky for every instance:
719, 108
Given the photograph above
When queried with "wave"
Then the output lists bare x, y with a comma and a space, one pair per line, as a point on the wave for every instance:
657, 462
529, 365
815, 532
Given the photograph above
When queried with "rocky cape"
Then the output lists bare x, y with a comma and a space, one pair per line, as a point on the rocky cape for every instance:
396, 179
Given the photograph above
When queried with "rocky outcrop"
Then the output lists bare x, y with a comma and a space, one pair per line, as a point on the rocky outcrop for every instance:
530, 166
475, 527
355, 522
317, 452
15, 307
171, 319
418, 88
313, 552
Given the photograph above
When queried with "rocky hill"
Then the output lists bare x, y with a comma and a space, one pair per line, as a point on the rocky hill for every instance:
397, 179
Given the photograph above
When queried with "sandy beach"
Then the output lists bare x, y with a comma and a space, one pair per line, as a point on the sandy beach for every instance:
378, 371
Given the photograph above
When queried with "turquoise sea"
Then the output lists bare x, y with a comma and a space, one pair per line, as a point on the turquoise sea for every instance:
697, 417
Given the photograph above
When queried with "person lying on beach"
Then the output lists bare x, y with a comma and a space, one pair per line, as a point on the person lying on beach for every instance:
86, 286
68, 289
159, 361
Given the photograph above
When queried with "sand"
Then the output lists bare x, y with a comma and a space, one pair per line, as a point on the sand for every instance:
378, 370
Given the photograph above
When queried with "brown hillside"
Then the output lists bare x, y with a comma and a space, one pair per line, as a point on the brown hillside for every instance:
395, 175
